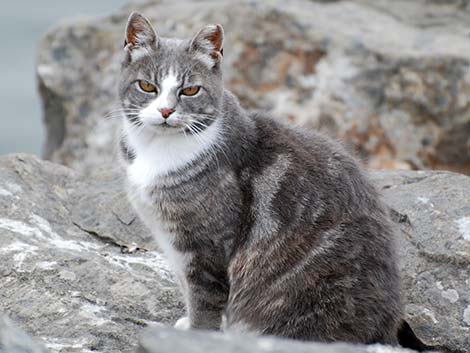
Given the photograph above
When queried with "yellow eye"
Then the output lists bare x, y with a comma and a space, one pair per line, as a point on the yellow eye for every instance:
190, 91
147, 86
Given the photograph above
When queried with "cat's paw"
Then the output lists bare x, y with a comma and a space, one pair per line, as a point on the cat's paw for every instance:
183, 324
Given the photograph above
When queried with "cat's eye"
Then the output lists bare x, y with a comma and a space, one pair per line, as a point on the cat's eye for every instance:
190, 91
147, 86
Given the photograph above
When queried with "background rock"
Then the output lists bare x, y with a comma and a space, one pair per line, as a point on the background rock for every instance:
79, 272
391, 78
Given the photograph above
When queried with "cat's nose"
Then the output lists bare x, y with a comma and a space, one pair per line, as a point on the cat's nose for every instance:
166, 112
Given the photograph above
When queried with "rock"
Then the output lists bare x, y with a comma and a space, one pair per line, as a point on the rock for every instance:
165, 340
391, 78
14, 340
81, 273
78, 270
433, 214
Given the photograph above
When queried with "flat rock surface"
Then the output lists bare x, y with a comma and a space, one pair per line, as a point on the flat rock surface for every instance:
81, 274
391, 78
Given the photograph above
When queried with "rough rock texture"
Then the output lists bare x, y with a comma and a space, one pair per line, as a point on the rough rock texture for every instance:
433, 213
77, 270
80, 273
390, 77
164, 340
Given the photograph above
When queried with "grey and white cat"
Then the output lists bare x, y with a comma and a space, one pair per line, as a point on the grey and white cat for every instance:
276, 228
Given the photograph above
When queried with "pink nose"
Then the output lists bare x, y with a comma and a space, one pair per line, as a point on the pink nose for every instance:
166, 112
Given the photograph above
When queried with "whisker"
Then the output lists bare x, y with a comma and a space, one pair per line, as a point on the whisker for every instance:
135, 105
198, 122
119, 112
210, 150
116, 116
122, 111
209, 117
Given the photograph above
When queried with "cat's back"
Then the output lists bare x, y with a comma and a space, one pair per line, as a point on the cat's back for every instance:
317, 160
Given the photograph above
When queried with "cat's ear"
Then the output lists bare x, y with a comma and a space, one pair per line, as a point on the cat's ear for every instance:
209, 43
140, 35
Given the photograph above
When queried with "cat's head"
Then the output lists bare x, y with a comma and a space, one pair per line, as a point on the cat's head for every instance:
171, 86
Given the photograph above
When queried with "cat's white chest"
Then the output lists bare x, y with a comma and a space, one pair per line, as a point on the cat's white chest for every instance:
141, 179
157, 156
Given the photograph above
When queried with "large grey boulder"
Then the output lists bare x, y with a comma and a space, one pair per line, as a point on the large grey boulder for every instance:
390, 77
80, 272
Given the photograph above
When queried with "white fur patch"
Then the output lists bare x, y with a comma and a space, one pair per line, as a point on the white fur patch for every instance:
183, 324
241, 327
159, 155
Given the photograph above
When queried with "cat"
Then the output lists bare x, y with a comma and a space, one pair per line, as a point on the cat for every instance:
275, 228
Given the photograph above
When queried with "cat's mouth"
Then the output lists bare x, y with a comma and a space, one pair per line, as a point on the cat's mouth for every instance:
164, 125
166, 128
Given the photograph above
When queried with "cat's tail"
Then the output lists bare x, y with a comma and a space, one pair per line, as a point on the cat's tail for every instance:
408, 339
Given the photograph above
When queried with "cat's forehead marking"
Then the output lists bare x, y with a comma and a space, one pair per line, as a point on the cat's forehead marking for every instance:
169, 81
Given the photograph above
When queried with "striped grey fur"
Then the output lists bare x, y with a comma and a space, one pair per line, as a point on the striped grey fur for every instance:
276, 228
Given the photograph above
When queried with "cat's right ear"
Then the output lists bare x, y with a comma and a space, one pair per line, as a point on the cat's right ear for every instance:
209, 43
140, 37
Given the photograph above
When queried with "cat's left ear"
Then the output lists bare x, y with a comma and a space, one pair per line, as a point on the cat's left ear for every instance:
140, 35
209, 42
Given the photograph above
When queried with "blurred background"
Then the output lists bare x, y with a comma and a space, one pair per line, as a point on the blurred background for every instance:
23, 24
389, 78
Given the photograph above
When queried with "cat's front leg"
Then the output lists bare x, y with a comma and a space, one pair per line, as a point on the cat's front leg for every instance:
206, 300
